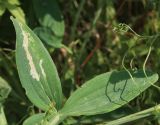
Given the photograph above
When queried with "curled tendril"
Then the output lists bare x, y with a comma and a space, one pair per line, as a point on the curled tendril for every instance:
125, 68
147, 57
123, 28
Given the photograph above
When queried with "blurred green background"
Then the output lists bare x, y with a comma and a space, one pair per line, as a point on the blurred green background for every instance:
82, 43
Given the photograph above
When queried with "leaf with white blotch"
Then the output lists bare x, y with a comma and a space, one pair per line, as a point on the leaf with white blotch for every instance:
107, 92
36, 69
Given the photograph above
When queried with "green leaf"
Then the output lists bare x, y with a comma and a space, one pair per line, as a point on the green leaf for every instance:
36, 69
14, 2
40, 119
3, 120
107, 92
34, 119
47, 35
2, 9
4, 90
16, 12
50, 16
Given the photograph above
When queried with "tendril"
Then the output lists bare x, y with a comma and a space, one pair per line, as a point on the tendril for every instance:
147, 57
125, 68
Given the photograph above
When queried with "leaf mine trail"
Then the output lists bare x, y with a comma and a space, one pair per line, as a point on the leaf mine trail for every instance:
33, 71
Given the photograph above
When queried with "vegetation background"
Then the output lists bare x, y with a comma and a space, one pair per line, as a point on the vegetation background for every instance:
88, 46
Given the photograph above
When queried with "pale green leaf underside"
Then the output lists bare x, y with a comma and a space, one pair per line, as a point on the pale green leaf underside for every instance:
36, 69
34, 119
107, 92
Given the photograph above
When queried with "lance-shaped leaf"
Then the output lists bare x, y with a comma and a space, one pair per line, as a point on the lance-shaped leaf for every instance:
36, 69
107, 92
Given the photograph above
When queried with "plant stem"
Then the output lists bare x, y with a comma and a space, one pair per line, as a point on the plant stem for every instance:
148, 112
77, 15
88, 34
